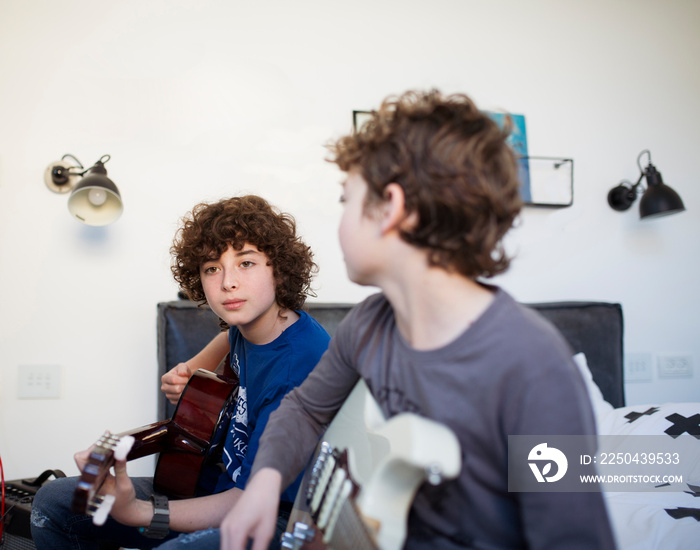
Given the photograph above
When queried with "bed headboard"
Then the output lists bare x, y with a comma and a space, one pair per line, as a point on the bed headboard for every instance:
594, 328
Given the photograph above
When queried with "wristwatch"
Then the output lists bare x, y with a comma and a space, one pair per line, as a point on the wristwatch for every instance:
159, 527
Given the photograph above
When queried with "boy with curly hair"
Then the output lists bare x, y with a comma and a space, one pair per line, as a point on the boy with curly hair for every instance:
430, 192
243, 259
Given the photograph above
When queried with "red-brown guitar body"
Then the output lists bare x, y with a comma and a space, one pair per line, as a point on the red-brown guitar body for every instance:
189, 443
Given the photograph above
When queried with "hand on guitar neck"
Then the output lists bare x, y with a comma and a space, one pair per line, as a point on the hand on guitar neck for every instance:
112, 449
189, 445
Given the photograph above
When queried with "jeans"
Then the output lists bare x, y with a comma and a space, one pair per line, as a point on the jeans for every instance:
55, 527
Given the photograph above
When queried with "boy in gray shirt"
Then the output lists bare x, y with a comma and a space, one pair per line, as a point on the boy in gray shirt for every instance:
431, 190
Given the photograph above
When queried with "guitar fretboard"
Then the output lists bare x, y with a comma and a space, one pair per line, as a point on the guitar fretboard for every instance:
350, 531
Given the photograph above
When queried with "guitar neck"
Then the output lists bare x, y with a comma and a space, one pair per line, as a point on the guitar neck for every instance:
148, 439
188, 443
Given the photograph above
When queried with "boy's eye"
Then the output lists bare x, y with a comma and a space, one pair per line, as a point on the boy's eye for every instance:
210, 269
247, 263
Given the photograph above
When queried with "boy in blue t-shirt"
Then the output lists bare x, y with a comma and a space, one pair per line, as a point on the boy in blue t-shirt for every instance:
243, 259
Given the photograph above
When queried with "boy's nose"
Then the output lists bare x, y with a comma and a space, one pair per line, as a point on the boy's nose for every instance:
229, 281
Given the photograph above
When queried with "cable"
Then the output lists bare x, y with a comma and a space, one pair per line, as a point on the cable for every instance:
2, 498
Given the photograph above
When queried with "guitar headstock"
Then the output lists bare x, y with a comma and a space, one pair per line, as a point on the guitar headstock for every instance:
87, 498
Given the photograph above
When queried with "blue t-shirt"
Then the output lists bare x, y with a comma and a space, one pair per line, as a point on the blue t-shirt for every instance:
267, 373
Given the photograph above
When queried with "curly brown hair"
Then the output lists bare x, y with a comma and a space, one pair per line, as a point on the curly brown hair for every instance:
210, 228
457, 172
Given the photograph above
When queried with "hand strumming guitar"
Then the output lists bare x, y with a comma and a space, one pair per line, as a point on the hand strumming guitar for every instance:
175, 380
254, 514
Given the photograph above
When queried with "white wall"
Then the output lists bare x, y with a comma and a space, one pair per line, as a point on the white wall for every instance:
200, 100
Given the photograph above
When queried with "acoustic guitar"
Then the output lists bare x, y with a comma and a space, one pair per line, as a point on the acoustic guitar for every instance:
189, 443
358, 488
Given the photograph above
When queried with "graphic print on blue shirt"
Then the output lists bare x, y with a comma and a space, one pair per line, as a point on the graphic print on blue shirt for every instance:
267, 372
237, 436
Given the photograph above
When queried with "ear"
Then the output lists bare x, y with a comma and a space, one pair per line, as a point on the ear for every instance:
393, 208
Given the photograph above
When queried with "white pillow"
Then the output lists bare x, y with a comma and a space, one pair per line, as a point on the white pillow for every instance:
601, 408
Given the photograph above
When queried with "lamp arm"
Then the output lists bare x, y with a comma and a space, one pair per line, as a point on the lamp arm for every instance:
622, 196
100, 162
68, 155
639, 164
634, 187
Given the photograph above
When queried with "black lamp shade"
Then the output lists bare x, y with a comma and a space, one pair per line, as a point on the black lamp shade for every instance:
659, 199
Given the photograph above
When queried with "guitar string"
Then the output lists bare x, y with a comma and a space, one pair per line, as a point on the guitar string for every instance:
350, 527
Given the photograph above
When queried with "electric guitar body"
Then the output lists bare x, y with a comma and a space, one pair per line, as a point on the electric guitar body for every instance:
361, 481
189, 444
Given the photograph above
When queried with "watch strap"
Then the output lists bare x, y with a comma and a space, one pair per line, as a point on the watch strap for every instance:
160, 524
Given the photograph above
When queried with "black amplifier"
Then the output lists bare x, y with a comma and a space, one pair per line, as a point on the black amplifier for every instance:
19, 495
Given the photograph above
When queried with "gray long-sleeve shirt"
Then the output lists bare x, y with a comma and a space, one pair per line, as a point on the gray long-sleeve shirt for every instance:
510, 373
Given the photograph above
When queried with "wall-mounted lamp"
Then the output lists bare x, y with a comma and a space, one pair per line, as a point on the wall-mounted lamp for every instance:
94, 199
658, 199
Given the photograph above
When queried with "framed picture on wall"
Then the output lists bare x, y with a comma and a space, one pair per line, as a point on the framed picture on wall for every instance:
518, 142
544, 181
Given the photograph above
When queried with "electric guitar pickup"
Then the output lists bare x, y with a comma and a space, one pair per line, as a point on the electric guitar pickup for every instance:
189, 443
361, 481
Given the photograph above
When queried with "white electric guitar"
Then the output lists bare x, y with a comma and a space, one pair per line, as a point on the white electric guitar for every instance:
359, 486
